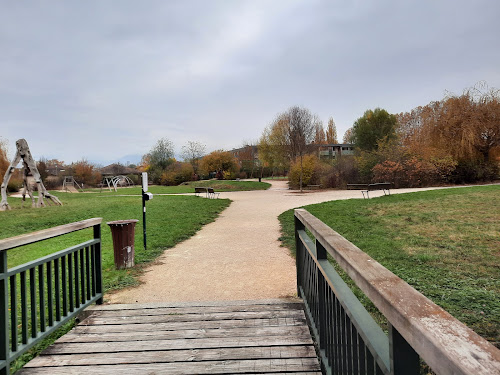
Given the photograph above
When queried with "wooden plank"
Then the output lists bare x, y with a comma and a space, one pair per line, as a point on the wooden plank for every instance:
155, 305
443, 342
93, 319
198, 310
151, 345
177, 368
89, 327
196, 355
25, 239
83, 335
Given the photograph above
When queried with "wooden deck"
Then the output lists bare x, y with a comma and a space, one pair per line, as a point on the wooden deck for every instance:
245, 337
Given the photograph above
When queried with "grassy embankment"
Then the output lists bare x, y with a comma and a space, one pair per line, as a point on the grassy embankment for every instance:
445, 243
170, 219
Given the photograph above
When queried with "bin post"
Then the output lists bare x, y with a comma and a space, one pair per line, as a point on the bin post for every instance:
123, 235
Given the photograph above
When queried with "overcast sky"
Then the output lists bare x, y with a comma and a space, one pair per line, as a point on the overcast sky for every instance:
103, 79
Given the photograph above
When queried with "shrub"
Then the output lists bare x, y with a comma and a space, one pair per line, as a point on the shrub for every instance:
177, 173
85, 173
53, 182
15, 184
312, 170
471, 171
219, 162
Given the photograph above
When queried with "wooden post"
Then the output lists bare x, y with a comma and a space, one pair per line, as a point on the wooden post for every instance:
98, 262
4, 318
404, 360
299, 256
321, 255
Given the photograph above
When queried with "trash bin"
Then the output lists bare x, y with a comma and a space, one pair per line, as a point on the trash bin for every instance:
123, 233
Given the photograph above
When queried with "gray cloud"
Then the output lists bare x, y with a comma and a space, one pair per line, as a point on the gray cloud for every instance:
101, 79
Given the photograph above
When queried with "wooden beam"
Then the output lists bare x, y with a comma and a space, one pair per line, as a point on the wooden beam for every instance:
26, 239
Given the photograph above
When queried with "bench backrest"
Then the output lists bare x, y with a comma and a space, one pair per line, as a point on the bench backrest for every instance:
380, 185
200, 189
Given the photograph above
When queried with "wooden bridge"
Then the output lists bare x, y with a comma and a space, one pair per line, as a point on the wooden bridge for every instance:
188, 338
241, 337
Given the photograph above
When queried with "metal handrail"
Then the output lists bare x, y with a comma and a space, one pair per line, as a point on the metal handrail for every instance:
348, 340
42, 295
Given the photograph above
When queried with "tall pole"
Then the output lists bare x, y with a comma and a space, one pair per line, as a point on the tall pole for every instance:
144, 189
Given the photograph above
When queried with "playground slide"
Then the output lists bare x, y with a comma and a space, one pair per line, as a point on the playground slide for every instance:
71, 189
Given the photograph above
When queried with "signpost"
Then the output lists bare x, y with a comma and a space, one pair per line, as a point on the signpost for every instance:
145, 197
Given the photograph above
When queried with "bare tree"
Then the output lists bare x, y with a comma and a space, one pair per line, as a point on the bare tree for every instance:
192, 152
301, 131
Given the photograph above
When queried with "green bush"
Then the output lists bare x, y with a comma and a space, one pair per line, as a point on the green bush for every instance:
15, 184
177, 173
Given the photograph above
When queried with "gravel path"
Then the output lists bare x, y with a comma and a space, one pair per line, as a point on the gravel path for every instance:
237, 257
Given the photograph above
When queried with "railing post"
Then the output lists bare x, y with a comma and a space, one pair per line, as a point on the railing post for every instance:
404, 359
98, 262
298, 253
4, 315
321, 255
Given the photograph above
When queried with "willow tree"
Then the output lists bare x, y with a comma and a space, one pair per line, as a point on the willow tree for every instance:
465, 127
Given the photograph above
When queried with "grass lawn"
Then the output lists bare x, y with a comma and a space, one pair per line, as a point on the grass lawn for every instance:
445, 243
219, 186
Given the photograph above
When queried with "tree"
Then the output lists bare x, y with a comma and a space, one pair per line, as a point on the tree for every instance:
372, 127
85, 173
463, 131
220, 162
319, 134
348, 136
162, 154
192, 152
273, 148
331, 132
42, 169
288, 137
159, 157
247, 158
301, 127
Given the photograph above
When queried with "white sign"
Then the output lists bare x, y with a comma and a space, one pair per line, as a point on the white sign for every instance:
144, 181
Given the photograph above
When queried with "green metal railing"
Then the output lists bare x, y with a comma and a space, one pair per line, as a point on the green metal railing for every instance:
349, 341
38, 297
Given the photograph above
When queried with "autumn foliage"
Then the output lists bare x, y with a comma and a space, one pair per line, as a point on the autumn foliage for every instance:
222, 163
85, 173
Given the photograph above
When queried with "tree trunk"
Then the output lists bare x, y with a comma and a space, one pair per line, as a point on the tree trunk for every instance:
301, 171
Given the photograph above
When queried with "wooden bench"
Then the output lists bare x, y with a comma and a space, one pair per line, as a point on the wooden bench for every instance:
200, 190
365, 188
313, 187
210, 193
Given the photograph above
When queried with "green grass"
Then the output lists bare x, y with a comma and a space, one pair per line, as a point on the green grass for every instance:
445, 243
170, 220
219, 186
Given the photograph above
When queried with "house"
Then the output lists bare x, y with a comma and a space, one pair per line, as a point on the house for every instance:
333, 151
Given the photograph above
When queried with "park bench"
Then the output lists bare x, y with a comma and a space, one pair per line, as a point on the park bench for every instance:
210, 193
312, 187
200, 190
365, 188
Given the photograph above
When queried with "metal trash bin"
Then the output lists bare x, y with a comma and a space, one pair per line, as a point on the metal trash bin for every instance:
123, 233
